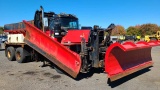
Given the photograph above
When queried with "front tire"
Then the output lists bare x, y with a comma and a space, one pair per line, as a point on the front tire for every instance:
20, 55
10, 53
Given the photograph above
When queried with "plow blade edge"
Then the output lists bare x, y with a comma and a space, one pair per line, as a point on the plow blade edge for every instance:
64, 58
124, 59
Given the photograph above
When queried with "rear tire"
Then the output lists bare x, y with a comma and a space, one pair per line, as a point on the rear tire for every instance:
10, 53
20, 55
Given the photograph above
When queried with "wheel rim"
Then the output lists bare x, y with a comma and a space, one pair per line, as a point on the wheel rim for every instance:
9, 54
18, 55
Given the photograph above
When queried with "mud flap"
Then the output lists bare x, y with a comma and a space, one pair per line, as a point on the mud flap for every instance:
124, 59
64, 58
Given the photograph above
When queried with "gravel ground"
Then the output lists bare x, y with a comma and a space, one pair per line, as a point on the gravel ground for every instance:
29, 76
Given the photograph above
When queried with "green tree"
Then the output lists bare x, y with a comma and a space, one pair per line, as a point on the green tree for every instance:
119, 30
148, 29
133, 30
1, 30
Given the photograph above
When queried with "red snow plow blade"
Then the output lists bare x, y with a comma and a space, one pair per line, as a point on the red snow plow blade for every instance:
64, 58
124, 59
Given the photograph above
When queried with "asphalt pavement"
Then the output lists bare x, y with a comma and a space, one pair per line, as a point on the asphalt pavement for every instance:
30, 76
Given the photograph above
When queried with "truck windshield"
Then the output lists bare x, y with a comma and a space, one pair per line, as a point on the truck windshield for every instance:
67, 23
70, 23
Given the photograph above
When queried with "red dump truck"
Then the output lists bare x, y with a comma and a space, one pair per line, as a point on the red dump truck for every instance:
58, 39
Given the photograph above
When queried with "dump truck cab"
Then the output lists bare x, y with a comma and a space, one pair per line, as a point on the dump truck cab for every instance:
56, 24
61, 23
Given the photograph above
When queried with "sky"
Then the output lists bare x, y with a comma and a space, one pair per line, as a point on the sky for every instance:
90, 12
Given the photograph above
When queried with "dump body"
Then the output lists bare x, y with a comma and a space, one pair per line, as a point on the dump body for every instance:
15, 28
